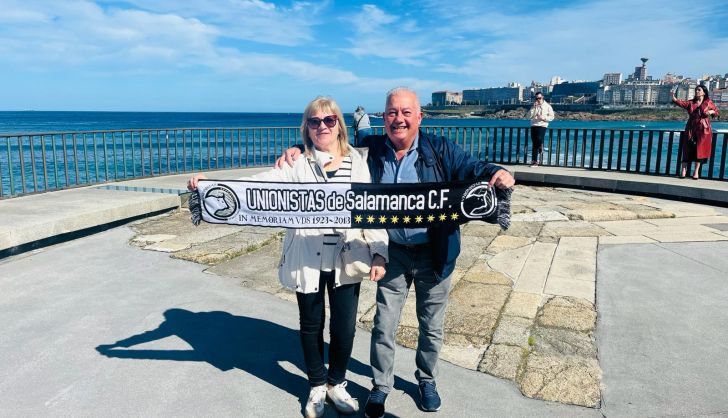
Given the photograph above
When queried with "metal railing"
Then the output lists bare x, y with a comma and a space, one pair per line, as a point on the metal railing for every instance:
40, 162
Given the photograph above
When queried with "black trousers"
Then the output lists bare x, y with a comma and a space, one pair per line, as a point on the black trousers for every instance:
537, 135
343, 302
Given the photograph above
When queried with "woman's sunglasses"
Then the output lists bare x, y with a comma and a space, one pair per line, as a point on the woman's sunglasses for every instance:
329, 121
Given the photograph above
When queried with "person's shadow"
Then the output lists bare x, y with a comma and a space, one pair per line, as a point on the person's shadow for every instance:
226, 342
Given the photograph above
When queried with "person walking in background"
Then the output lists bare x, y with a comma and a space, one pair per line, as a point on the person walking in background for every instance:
540, 114
423, 257
697, 138
362, 126
314, 261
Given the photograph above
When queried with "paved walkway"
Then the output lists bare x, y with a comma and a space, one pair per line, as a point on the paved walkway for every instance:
522, 307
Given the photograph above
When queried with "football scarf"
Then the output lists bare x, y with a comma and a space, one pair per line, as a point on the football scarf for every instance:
349, 205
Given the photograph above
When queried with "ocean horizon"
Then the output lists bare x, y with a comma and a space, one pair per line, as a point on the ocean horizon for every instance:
36, 121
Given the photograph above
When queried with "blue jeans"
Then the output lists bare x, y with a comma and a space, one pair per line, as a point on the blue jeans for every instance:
407, 266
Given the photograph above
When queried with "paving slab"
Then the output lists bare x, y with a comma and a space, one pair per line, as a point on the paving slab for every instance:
536, 268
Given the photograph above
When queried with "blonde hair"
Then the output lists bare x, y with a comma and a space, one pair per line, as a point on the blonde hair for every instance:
326, 105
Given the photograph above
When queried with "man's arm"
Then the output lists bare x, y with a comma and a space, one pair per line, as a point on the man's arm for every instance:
289, 156
466, 167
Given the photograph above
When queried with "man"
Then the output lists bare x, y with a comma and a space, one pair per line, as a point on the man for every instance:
362, 126
541, 113
423, 256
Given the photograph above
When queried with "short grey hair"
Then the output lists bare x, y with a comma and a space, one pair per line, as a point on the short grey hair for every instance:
397, 90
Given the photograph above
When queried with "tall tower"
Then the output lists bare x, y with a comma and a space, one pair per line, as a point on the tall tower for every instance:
640, 73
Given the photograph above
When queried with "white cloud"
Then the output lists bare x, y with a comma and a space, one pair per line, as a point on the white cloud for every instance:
389, 37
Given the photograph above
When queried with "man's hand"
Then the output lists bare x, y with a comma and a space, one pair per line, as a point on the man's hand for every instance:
192, 182
289, 156
378, 269
502, 179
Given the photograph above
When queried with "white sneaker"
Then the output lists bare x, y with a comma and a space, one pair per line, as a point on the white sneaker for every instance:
341, 399
316, 402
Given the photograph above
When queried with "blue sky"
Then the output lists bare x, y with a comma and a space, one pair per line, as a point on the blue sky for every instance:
263, 56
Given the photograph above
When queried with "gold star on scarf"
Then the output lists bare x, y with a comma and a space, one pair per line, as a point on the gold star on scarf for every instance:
442, 217
357, 219
395, 219
382, 219
406, 219
430, 218
418, 219
370, 219
454, 216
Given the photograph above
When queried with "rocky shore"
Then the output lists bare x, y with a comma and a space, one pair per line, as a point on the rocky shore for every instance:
630, 114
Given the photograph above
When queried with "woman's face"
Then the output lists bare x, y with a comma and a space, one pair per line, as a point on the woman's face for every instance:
323, 129
699, 92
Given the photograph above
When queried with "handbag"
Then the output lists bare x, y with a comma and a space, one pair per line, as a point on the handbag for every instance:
356, 258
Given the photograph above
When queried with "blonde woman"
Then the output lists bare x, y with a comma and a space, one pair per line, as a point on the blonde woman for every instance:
312, 262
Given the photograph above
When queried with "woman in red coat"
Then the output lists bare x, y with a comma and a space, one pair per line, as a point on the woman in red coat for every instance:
697, 138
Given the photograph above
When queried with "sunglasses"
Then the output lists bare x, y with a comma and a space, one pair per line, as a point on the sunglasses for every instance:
329, 121
539, 98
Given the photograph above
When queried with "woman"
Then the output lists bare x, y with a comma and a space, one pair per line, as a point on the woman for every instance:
313, 260
540, 114
697, 138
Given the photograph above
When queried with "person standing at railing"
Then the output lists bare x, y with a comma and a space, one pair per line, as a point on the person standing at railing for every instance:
362, 126
313, 260
540, 114
697, 138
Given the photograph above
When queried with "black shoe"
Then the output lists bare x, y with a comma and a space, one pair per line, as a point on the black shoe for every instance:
429, 399
375, 404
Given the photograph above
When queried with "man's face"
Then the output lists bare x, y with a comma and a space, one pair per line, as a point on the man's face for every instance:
402, 119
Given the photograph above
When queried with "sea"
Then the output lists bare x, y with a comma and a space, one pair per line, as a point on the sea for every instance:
79, 164
24, 122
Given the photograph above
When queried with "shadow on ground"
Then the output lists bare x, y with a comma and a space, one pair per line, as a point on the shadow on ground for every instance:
226, 341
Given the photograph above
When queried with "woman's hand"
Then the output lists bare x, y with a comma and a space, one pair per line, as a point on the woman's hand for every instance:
378, 270
192, 182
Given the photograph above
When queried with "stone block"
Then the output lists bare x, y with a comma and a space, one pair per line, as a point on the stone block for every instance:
572, 229
502, 361
532, 278
575, 258
512, 330
481, 273
481, 229
510, 262
523, 229
506, 242
464, 356
569, 313
524, 305
473, 311
565, 342
571, 379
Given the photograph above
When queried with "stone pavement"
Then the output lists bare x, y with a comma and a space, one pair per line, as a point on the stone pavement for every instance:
522, 304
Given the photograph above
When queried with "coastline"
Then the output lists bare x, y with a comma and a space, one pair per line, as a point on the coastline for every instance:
668, 114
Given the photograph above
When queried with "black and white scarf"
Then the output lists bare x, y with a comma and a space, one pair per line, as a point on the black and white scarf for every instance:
349, 205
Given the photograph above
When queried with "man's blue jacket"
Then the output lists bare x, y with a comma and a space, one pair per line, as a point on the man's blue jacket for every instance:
440, 160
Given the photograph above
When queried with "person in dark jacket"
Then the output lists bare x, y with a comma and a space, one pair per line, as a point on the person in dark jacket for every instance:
424, 256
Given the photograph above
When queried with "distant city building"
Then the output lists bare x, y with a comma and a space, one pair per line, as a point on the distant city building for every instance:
582, 92
535, 87
494, 95
639, 89
447, 98
612, 78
